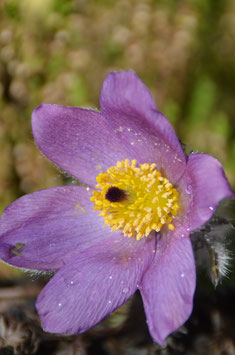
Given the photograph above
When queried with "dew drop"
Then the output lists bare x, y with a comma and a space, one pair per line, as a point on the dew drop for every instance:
211, 208
110, 277
125, 290
109, 301
182, 275
119, 129
132, 143
59, 304
188, 229
182, 235
70, 283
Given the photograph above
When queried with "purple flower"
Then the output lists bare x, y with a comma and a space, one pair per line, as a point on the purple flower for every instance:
129, 228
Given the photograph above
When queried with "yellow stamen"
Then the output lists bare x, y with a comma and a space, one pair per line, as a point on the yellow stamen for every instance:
134, 199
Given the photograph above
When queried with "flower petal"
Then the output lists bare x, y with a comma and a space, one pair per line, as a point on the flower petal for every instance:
93, 284
42, 229
129, 108
79, 141
168, 285
202, 187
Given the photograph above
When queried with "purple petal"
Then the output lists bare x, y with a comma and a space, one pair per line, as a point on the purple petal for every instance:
43, 229
93, 284
129, 107
202, 187
79, 141
168, 285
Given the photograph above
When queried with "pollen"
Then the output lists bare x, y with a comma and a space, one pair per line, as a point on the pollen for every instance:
135, 200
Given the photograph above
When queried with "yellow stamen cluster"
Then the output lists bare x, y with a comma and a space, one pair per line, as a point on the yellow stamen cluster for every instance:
149, 200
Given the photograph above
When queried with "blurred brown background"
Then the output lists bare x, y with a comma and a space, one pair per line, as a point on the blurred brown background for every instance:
59, 51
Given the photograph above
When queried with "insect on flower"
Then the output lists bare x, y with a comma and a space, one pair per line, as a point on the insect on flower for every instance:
129, 228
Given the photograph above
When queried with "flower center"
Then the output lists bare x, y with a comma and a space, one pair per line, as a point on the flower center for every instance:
134, 199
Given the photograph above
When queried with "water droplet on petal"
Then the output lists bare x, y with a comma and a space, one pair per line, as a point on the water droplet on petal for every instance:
110, 277
125, 290
182, 235
182, 275
211, 208
70, 283
109, 301
60, 304
188, 229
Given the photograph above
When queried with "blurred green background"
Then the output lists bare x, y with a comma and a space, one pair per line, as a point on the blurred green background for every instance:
59, 51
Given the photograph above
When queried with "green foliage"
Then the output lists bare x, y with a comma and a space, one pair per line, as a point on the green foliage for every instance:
112, 52
220, 124
63, 7
56, 64
78, 92
202, 100
12, 9
172, 110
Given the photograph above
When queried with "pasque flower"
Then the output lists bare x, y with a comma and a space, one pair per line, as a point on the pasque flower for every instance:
129, 228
